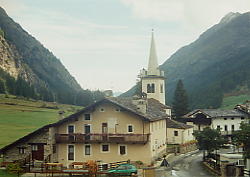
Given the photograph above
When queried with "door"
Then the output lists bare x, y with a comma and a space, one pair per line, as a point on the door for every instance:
37, 152
87, 130
71, 131
105, 131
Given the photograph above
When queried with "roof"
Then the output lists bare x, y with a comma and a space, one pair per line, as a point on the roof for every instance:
213, 113
243, 108
26, 137
153, 67
175, 124
155, 111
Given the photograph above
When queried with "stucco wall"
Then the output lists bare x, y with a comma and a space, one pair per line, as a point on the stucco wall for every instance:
158, 137
229, 122
184, 135
158, 82
134, 152
118, 122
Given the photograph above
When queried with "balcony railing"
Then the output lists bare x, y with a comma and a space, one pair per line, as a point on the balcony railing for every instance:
102, 138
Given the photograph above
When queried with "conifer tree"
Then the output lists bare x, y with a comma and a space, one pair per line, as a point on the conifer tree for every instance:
180, 103
2, 86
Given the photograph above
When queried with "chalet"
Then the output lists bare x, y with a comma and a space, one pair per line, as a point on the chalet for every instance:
225, 120
112, 129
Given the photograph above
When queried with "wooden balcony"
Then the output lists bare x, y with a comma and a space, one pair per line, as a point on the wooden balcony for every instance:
102, 138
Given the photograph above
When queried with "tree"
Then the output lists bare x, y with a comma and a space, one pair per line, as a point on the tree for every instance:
84, 98
2, 86
97, 95
242, 136
209, 139
180, 103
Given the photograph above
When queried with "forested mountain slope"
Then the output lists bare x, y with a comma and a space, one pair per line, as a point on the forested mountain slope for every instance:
25, 57
215, 65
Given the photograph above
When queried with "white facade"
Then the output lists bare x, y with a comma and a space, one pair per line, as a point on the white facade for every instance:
227, 125
159, 88
225, 120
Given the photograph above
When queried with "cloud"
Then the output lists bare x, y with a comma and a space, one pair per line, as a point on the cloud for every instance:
196, 13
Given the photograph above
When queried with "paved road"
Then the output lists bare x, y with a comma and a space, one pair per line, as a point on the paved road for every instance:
190, 166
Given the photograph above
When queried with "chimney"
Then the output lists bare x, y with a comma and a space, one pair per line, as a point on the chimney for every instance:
61, 115
108, 93
140, 103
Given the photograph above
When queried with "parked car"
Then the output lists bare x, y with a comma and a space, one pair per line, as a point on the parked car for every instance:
124, 169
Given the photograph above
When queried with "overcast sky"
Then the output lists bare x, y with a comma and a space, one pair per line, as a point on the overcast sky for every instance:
104, 43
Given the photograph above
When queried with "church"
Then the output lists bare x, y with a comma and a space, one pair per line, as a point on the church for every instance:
110, 130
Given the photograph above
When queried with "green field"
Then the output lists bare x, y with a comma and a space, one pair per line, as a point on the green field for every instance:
3, 173
19, 117
232, 101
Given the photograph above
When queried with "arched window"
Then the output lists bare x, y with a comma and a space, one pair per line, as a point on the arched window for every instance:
152, 88
148, 88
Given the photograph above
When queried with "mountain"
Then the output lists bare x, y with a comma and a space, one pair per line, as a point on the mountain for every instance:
23, 57
215, 65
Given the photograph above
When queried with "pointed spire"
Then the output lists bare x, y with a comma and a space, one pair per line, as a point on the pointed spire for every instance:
153, 67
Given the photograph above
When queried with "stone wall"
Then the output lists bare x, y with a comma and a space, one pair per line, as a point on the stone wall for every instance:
188, 148
13, 154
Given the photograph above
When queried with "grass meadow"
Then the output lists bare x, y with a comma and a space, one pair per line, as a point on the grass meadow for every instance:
19, 117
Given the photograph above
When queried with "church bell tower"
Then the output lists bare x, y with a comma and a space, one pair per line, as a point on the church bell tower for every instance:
153, 80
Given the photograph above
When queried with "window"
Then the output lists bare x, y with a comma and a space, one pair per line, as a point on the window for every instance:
71, 152
175, 133
161, 88
225, 127
232, 118
54, 148
242, 118
34, 147
117, 110
130, 129
87, 150
86, 116
21, 150
232, 127
71, 129
225, 118
102, 110
105, 148
218, 127
150, 88
122, 150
